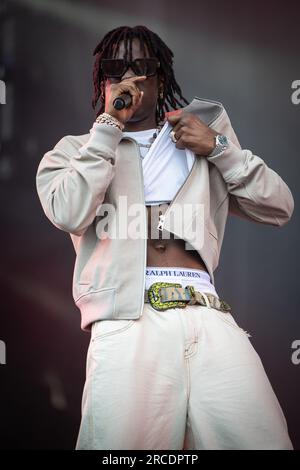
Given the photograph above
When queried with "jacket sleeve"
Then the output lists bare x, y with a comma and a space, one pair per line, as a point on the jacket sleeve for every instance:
256, 192
71, 182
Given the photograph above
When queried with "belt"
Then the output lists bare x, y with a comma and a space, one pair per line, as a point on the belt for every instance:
165, 295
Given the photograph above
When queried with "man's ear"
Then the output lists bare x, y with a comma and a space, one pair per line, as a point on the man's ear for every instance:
102, 93
160, 81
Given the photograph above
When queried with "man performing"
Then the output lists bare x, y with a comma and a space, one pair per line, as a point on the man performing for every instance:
168, 367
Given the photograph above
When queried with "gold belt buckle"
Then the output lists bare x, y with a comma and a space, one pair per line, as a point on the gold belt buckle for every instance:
155, 300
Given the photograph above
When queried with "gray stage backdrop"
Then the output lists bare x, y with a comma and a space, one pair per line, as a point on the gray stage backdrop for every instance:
244, 54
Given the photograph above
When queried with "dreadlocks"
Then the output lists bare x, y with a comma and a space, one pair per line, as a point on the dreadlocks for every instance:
108, 47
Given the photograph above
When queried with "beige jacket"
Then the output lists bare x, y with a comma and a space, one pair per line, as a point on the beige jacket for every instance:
83, 172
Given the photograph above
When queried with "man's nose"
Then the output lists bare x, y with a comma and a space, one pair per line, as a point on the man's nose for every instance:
128, 74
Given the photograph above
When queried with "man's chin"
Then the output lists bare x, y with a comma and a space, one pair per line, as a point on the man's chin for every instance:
136, 117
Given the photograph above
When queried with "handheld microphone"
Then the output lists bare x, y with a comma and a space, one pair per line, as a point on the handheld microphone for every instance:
122, 101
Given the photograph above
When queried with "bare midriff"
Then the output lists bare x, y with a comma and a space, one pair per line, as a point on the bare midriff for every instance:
168, 252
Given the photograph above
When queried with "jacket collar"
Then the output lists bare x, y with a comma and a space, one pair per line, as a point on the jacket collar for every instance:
207, 110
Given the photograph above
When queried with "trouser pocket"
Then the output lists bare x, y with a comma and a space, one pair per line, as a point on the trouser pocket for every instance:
228, 319
104, 328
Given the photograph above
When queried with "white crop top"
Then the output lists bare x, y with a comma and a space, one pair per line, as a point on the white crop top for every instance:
165, 168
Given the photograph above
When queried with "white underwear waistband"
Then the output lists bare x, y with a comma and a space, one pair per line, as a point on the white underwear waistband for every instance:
184, 276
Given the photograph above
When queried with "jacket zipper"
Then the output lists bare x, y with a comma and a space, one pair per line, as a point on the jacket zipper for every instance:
145, 223
162, 217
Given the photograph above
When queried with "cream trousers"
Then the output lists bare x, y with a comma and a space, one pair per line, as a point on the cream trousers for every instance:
179, 379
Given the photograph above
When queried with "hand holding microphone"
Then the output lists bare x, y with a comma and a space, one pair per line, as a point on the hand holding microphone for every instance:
122, 101
124, 98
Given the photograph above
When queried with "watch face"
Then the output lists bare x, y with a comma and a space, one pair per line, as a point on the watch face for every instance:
222, 144
223, 140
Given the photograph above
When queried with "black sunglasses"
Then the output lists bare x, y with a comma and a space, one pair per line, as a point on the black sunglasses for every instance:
115, 68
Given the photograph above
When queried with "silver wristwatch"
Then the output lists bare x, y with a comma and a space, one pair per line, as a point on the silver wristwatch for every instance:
222, 144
